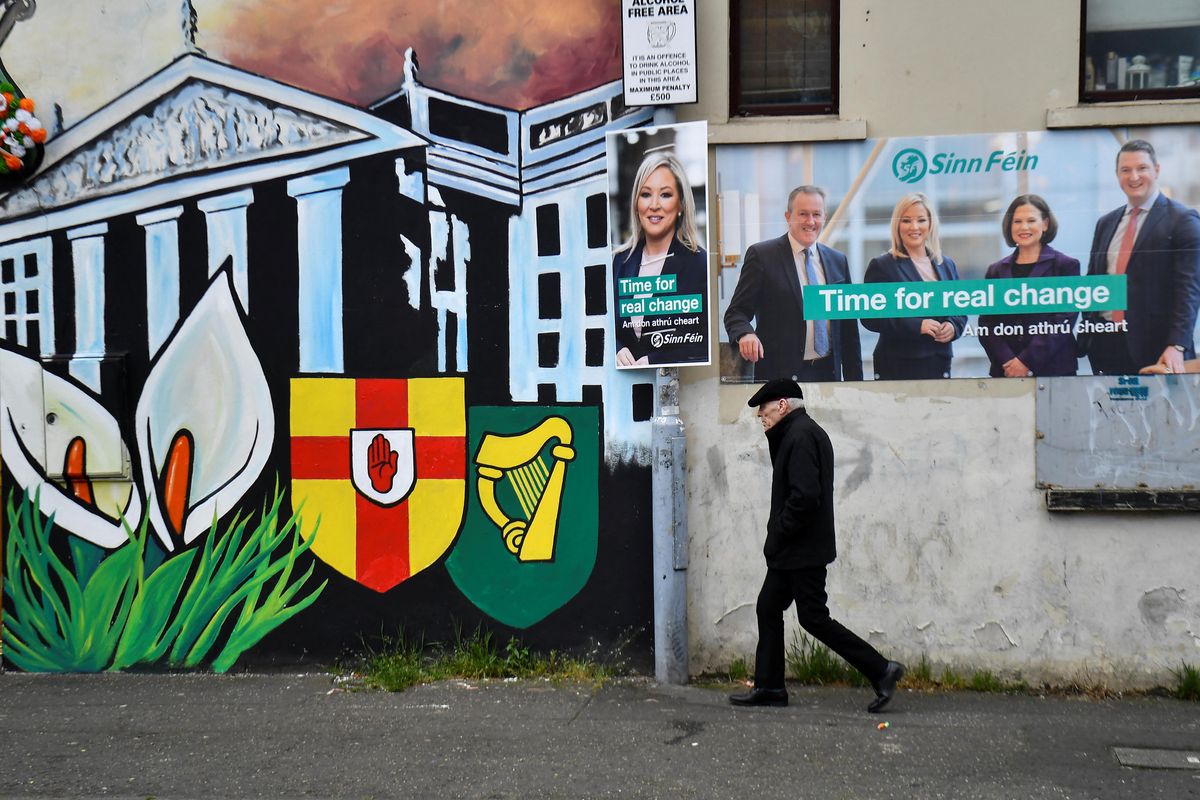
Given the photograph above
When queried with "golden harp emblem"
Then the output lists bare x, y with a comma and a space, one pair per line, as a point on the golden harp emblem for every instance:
519, 462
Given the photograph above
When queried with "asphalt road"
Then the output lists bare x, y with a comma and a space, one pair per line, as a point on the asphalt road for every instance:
304, 736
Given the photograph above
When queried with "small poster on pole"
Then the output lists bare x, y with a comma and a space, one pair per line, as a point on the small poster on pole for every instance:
659, 51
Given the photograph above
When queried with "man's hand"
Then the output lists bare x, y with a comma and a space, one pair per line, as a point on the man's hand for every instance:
750, 348
625, 358
1015, 368
381, 464
1171, 359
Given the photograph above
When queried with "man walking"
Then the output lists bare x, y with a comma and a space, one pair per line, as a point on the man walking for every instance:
799, 547
765, 318
1154, 242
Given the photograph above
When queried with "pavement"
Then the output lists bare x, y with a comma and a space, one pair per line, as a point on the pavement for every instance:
307, 736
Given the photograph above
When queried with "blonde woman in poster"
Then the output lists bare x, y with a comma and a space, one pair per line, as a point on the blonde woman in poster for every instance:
664, 241
912, 347
1030, 344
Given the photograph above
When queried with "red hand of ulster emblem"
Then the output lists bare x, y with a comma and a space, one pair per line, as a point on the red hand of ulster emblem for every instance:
381, 463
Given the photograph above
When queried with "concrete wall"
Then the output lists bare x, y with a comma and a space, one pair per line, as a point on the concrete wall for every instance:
946, 547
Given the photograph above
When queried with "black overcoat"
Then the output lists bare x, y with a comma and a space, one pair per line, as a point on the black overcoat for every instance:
800, 529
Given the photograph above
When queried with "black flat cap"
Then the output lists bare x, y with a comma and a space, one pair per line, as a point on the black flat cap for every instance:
773, 390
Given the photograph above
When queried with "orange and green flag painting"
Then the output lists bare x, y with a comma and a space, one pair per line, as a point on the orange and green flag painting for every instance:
382, 463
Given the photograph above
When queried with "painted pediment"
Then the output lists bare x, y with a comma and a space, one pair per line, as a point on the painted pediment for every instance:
195, 117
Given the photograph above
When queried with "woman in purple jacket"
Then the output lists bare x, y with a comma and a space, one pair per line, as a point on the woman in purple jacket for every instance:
1023, 345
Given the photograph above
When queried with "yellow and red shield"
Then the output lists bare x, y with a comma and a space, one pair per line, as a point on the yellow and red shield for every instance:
382, 463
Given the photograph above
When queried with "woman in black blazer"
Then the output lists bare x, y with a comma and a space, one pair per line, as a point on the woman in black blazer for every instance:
913, 347
1029, 226
665, 241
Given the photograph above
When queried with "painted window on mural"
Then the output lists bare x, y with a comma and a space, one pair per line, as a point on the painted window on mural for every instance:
25, 285
783, 57
1139, 51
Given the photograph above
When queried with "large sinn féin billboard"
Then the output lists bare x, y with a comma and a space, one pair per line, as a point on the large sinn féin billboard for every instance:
1009, 255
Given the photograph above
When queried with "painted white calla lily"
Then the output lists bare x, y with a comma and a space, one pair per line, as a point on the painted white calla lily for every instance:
204, 423
44, 419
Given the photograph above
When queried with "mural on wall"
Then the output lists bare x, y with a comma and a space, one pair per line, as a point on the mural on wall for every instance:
203, 429
531, 534
239, 319
382, 464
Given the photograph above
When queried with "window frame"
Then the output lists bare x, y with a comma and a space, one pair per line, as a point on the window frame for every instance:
783, 109
1120, 95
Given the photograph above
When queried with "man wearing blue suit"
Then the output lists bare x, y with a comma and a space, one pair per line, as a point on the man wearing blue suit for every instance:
781, 342
1155, 242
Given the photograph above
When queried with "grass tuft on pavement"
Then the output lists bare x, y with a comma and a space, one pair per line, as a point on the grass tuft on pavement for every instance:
810, 663
400, 662
1187, 682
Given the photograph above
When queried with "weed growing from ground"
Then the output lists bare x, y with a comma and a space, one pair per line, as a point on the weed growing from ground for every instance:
810, 662
400, 662
1187, 682
739, 670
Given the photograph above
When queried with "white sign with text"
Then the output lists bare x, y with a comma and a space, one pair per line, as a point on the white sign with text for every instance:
659, 47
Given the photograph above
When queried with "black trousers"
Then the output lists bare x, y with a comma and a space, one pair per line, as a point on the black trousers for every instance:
1109, 355
815, 371
907, 369
807, 588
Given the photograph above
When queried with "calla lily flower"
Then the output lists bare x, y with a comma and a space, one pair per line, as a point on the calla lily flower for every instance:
204, 423
51, 426
204, 427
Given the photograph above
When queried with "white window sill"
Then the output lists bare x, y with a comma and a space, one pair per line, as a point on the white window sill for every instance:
760, 130
1141, 112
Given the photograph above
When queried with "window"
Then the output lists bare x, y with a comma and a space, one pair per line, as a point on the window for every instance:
547, 350
548, 243
477, 126
597, 220
25, 284
643, 401
595, 290
1139, 51
783, 57
550, 296
593, 347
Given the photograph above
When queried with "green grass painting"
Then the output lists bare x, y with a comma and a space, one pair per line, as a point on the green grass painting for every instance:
71, 607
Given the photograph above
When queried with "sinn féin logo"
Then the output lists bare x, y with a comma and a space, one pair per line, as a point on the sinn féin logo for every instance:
909, 165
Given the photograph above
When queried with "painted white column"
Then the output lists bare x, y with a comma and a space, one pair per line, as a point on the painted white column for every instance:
87, 256
319, 235
225, 218
162, 273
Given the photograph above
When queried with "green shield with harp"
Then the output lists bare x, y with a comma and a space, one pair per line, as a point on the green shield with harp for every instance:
529, 541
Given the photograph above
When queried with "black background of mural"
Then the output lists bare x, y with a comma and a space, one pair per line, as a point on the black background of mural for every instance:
615, 607
384, 336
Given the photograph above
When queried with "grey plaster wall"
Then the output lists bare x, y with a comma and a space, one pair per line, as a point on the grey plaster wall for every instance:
946, 549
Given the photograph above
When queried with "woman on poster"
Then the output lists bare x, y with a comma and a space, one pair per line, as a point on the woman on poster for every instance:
1024, 345
664, 241
912, 347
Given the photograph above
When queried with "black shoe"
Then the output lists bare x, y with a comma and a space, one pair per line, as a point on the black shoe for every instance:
886, 687
760, 697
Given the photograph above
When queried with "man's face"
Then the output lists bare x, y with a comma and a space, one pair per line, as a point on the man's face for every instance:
805, 218
1138, 176
771, 412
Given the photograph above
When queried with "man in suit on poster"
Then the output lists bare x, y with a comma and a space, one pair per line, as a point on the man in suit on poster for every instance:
1155, 242
781, 342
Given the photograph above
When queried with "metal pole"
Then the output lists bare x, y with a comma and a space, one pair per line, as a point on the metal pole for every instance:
669, 488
